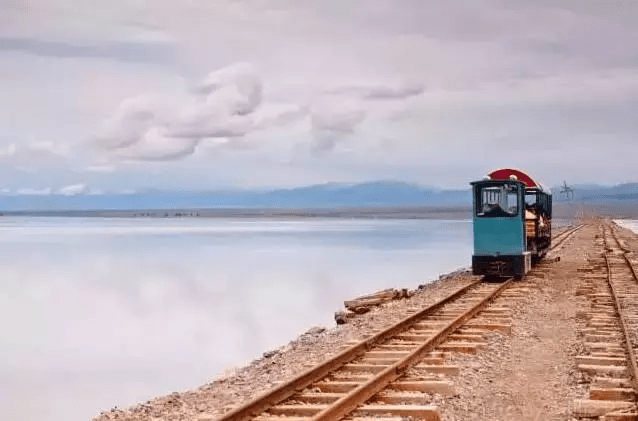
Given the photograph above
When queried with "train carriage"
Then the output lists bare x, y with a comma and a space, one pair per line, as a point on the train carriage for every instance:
512, 216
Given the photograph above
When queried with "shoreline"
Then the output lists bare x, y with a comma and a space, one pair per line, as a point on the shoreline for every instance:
407, 212
562, 211
238, 384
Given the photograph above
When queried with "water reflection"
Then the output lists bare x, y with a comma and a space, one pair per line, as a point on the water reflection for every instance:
96, 313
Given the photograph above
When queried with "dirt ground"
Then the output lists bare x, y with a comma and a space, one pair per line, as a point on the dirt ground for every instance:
529, 374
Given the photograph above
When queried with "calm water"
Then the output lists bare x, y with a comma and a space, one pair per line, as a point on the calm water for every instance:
102, 312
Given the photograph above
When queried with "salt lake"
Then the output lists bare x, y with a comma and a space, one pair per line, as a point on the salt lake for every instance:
102, 312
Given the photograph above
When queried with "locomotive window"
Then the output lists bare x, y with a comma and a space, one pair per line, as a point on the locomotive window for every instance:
512, 202
530, 199
497, 201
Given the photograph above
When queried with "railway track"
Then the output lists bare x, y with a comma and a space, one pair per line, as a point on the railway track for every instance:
564, 235
611, 335
391, 373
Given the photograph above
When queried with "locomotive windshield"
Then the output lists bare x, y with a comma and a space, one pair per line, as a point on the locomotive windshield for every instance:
494, 201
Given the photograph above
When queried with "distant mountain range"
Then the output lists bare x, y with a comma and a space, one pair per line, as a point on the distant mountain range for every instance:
382, 193
363, 195
627, 192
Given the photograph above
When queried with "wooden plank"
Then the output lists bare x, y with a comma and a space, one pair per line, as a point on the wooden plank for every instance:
451, 370
379, 361
585, 359
429, 325
421, 412
353, 305
413, 337
469, 337
296, 410
596, 408
393, 398
428, 386
316, 398
608, 354
386, 354
364, 368
610, 382
605, 346
336, 387
609, 370
501, 327
352, 377
384, 293
464, 347
601, 338
266, 417
612, 394
618, 416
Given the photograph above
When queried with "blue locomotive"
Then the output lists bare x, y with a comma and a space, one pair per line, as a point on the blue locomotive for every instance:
512, 217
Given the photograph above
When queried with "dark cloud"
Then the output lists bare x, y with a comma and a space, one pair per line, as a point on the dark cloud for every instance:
128, 52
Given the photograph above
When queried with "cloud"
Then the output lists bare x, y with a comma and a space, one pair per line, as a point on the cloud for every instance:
34, 192
381, 92
34, 155
227, 104
8, 151
206, 121
74, 190
338, 121
236, 89
331, 124
225, 107
222, 106
134, 117
128, 52
272, 115
154, 145
100, 169
486, 66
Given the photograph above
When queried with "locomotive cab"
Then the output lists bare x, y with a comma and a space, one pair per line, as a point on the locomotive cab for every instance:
499, 238
512, 223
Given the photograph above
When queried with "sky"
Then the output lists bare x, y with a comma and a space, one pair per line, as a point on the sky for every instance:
122, 95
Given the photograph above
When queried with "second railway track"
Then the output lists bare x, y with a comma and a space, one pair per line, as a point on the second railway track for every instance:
390, 373
611, 335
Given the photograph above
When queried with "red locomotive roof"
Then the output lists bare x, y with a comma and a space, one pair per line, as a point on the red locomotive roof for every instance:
506, 173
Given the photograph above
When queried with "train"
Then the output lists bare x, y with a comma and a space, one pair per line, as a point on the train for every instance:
512, 223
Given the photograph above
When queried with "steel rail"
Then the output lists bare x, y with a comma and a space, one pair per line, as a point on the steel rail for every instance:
565, 235
623, 320
287, 389
362, 393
